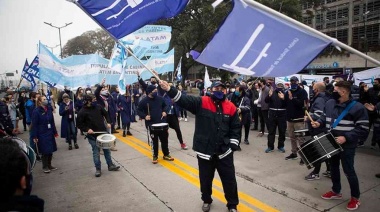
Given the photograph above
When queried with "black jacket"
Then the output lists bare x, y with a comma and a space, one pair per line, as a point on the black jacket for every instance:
154, 108
94, 118
295, 110
217, 126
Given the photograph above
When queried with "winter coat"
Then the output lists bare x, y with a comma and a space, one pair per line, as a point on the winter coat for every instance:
124, 103
67, 118
44, 130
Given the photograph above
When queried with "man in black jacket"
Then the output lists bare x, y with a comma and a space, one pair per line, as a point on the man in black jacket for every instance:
216, 137
91, 120
152, 108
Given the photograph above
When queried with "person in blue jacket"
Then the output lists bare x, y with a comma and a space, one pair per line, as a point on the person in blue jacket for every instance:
30, 105
124, 103
44, 132
68, 128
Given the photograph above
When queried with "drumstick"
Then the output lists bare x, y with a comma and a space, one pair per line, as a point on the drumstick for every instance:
308, 115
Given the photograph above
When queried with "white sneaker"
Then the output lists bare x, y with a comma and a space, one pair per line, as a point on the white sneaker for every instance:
180, 119
185, 119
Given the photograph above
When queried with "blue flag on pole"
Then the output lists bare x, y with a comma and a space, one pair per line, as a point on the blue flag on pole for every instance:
252, 41
28, 77
122, 17
33, 68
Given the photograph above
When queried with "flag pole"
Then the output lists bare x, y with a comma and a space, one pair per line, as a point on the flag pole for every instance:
334, 41
116, 40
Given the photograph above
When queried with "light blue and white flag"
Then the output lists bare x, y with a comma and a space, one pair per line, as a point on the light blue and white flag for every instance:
158, 36
367, 76
122, 17
252, 41
207, 81
76, 70
179, 70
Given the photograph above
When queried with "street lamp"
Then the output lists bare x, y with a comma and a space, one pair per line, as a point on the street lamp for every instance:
59, 30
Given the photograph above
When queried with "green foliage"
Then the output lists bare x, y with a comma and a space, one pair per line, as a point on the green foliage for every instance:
90, 42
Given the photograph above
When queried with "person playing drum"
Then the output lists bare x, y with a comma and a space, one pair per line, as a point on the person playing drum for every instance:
352, 127
152, 108
91, 121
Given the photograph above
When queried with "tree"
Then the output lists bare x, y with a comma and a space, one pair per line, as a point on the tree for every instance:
90, 42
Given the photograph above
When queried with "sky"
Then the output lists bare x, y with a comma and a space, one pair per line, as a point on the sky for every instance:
22, 27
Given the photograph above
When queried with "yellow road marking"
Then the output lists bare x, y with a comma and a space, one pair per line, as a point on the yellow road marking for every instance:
190, 174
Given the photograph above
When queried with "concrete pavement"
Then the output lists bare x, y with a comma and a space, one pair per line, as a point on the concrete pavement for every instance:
266, 181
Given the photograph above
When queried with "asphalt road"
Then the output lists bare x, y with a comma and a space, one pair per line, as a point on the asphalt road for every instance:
266, 182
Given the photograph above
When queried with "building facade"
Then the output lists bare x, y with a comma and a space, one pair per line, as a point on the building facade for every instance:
353, 22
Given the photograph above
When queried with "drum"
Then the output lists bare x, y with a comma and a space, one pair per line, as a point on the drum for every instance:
105, 141
302, 133
159, 127
318, 149
27, 150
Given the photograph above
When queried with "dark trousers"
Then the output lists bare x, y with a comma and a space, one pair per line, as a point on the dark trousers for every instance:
174, 124
317, 166
118, 117
226, 171
276, 119
263, 115
246, 127
346, 158
24, 120
183, 113
163, 135
71, 133
255, 116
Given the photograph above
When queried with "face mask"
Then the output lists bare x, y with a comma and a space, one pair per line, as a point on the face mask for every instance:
218, 96
154, 95
208, 93
237, 93
279, 90
376, 86
45, 102
335, 95
93, 104
232, 90
327, 81
104, 93
88, 92
153, 82
293, 86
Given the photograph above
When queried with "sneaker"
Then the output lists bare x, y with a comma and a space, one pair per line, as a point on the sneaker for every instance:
353, 204
180, 119
360, 144
327, 174
124, 134
292, 157
70, 147
246, 141
373, 146
232, 210
206, 207
183, 146
38, 158
168, 157
186, 119
76, 146
129, 133
302, 163
331, 195
268, 150
52, 168
98, 173
312, 176
113, 148
155, 158
113, 167
281, 149
46, 170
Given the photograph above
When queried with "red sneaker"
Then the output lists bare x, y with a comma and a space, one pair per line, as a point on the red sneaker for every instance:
331, 195
183, 146
353, 204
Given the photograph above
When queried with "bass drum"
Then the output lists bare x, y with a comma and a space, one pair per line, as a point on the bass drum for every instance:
318, 149
27, 150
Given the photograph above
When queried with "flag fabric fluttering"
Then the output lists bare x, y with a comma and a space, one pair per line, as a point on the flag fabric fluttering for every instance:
207, 81
250, 36
28, 77
179, 70
33, 68
122, 17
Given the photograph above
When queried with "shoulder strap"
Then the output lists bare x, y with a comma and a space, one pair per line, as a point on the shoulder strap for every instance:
344, 113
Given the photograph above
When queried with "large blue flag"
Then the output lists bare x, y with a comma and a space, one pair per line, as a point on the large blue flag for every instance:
33, 69
122, 17
252, 41
28, 77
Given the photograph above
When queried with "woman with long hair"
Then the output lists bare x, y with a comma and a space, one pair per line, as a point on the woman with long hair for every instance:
44, 132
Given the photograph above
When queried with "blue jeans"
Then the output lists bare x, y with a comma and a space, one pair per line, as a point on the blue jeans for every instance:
96, 154
347, 159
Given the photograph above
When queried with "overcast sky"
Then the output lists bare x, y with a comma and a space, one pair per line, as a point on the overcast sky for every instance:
22, 26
